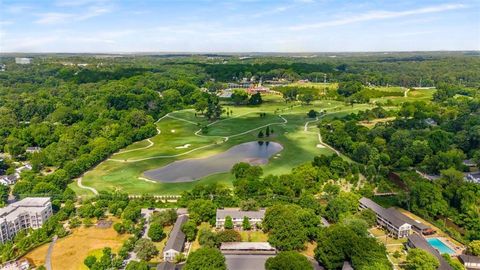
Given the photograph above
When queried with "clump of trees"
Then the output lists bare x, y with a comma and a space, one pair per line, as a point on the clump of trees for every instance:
290, 226
420, 259
145, 249
339, 243
288, 260
205, 258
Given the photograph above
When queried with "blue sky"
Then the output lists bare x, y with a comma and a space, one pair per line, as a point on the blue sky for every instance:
238, 25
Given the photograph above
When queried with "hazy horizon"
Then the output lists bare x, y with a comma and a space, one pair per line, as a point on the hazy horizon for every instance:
241, 26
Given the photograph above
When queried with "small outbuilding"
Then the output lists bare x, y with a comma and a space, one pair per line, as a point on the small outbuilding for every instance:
470, 261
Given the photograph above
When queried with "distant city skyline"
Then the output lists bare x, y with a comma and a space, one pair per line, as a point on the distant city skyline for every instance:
238, 26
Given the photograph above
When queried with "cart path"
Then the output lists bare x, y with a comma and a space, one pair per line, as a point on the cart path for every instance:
225, 139
80, 185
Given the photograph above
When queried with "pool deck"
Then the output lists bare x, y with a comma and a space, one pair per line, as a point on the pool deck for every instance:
455, 248
444, 237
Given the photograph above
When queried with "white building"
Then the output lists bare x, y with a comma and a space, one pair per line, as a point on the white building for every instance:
254, 217
30, 212
473, 177
23, 60
7, 180
387, 218
34, 149
21, 264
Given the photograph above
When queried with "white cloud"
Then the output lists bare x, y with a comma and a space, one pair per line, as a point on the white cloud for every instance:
77, 3
60, 17
378, 15
53, 17
272, 11
16, 9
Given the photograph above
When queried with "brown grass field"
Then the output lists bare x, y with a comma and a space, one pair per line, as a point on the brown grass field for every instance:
69, 252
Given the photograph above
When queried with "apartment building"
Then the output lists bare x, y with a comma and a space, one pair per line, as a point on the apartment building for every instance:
254, 217
387, 218
30, 212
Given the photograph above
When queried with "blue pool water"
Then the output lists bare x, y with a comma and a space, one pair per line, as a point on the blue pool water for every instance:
440, 246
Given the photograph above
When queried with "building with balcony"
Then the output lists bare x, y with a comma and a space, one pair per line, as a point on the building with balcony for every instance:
30, 212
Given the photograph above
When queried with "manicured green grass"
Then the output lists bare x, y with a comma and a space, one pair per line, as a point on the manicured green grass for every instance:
412, 95
178, 140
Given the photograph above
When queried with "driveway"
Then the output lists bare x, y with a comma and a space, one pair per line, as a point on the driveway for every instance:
48, 257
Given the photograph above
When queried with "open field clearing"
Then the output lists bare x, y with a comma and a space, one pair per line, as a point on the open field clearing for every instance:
412, 95
81, 243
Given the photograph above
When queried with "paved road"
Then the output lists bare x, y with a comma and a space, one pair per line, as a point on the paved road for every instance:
48, 258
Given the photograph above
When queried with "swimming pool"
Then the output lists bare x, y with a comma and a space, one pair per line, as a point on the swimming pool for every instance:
440, 246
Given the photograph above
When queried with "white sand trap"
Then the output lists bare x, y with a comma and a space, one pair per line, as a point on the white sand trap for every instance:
183, 146
147, 180
278, 155
320, 146
172, 131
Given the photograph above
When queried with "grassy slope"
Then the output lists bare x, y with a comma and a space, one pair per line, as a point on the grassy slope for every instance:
299, 146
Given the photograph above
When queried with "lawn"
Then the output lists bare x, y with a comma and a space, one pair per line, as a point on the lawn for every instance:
180, 138
196, 245
160, 245
253, 236
77, 246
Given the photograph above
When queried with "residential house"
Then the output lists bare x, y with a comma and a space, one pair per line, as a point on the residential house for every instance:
387, 218
176, 240
430, 122
473, 177
22, 264
469, 163
418, 241
237, 215
7, 180
470, 261
30, 212
33, 149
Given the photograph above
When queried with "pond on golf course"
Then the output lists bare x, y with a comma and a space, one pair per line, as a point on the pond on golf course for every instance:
188, 170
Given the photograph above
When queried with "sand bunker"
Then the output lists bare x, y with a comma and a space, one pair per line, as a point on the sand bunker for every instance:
183, 146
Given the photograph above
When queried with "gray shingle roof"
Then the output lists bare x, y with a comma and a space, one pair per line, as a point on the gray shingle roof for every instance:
176, 239
392, 214
237, 213
166, 266
371, 204
469, 259
407, 219
419, 242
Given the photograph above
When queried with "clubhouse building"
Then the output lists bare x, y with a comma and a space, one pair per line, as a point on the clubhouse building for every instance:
237, 215
398, 224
